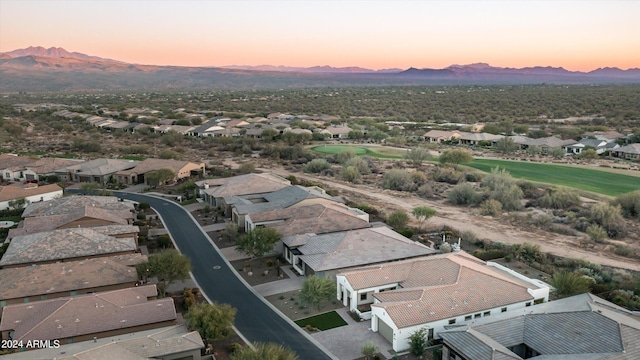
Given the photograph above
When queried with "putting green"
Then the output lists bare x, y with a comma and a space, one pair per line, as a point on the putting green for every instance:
373, 151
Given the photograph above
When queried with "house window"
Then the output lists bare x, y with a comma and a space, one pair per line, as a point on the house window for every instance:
467, 318
363, 297
504, 309
26, 300
528, 304
452, 321
73, 293
3, 303
43, 297
477, 316
538, 301
487, 313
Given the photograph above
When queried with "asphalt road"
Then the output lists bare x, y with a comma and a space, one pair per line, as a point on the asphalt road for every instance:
255, 320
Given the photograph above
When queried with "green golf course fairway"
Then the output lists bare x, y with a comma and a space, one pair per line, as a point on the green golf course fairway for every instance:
373, 151
602, 182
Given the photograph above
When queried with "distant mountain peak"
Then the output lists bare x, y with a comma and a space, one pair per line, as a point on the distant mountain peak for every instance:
53, 52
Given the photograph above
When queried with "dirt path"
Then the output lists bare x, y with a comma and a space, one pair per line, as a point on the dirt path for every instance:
461, 219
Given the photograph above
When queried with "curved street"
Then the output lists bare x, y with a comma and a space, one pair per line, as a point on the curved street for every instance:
255, 320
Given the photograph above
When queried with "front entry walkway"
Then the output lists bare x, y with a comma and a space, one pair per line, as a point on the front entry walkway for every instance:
294, 282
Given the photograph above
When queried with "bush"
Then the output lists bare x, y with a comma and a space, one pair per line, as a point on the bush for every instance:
234, 347
609, 217
447, 175
596, 233
359, 163
368, 209
398, 219
396, 179
418, 178
490, 254
473, 176
425, 191
463, 194
629, 204
502, 187
560, 199
164, 241
143, 206
570, 283
344, 156
491, 207
623, 250
350, 174
408, 233
316, 166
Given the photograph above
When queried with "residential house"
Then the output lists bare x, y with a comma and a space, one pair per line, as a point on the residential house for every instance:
44, 167
549, 143
475, 139
53, 280
181, 169
327, 254
31, 193
574, 328
206, 129
603, 135
434, 292
629, 152
84, 317
287, 197
13, 165
165, 343
337, 132
600, 146
439, 136
64, 245
237, 123
98, 170
70, 205
218, 192
315, 219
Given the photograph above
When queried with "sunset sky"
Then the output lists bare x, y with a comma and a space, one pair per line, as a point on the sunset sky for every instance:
577, 35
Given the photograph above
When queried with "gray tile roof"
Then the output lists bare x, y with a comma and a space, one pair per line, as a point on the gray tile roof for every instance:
357, 248
64, 318
100, 167
280, 199
63, 244
71, 204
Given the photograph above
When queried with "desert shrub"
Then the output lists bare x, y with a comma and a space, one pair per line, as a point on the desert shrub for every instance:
425, 191
490, 254
344, 156
596, 233
234, 347
543, 221
350, 174
529, 189
143, 206
629, 204
246, 168
396, 179
562, 229
316, 166
463, 194
609, 217
623, 250
398, 219
491, 207
359, 163
473, 176
408, 233
469, 236
164, 241
503, 188
447, 175
368, 209
418, 178
560, 199
528, 253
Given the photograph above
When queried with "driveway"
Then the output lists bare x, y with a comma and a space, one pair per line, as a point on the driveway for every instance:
256, 319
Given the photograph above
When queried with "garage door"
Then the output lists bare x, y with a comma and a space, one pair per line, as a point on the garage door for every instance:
385, 330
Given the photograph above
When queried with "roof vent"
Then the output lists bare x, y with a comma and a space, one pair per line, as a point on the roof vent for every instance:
123, 321
77, 320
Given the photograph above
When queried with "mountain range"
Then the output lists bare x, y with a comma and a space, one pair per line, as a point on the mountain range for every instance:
56, 69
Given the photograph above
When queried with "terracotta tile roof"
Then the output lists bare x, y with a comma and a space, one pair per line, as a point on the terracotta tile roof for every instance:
50, 165
244, 185
444, 134
450, 284
63, 244
12, 192
86, 314
44, 279
317, 219
8, 161
154, 164
70, 204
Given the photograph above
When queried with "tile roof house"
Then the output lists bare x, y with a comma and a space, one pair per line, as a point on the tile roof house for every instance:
70, 204
317, 219
337, 132
603, 135
218, 192
434, 292
21, 168
136, 175
165, 343
629, 152
326, 254
12, 166
31, 193
98, 170
49, 281
63, 245
477, 138
438, 136
600, 146
83, 317
287, 197
574, 328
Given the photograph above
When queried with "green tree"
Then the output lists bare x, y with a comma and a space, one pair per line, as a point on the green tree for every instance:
570, 283
369, 350
456, 157
258, 242
159, 177
418, 155
418, 342
90, 187
588, 154
171, 138
169, 266
316, 290
18, 203
263, 351
423, 213
557, 153
212, 321
230, 232
506, 145
398, 219
269, 134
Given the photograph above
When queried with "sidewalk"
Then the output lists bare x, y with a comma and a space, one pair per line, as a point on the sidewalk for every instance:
294, 282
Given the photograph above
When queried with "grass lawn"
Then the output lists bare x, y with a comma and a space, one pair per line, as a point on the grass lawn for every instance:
373, 151
597, 181
326, 321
